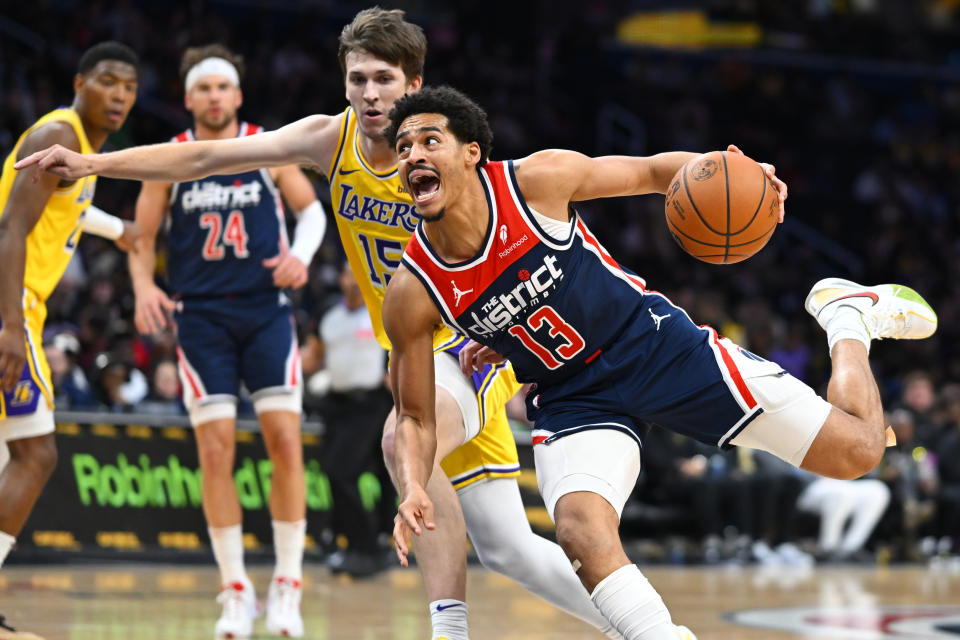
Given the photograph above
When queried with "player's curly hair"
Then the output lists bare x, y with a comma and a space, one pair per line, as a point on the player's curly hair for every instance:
195, 55
387, 36
465, 119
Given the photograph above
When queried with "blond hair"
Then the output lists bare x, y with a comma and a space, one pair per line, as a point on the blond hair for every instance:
387, 36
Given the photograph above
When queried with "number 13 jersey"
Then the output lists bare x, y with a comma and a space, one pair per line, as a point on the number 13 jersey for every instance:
551, 305
222, 228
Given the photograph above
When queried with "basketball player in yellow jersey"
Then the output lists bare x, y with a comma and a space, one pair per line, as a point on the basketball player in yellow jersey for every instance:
40, 223
381, 56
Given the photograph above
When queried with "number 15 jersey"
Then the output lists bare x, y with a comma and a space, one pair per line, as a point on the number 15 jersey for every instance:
375, 216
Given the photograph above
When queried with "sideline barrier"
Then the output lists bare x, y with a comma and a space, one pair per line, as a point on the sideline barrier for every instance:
128, 486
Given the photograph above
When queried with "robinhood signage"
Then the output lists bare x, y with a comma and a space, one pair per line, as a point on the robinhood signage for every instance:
138, 488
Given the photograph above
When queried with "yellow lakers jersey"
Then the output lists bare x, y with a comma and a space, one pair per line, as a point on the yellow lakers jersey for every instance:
375, 216
52, 241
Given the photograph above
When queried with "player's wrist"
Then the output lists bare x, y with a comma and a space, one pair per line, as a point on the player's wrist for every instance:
94, 163
14, 328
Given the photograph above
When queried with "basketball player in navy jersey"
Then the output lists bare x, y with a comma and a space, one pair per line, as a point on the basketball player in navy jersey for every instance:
228, 261
503, 258
382, 57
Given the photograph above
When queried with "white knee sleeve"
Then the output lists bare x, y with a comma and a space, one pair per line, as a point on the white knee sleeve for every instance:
498, 527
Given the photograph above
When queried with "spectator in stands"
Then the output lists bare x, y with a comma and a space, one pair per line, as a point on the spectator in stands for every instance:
71, 388
849, 510
165, 396
120, 384
681, 471
910, 472
918, 398
354, 411
948, 458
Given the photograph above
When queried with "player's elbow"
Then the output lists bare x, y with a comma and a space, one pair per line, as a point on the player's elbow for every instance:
388, 442
200, 164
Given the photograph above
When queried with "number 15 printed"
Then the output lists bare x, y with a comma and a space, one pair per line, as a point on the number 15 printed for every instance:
382, 256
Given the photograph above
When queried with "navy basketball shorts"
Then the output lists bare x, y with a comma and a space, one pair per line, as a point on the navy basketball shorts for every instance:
665, 369
228, 341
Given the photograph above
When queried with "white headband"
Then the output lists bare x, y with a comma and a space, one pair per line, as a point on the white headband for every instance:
211, 67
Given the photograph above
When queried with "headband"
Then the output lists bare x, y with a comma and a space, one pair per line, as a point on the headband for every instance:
211, 67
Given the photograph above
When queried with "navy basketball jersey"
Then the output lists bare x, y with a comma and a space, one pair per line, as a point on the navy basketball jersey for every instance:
222, 228
549, 305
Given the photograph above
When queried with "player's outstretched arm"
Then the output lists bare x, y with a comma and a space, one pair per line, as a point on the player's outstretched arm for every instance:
307, 141
23, 209
409, 318
553, 177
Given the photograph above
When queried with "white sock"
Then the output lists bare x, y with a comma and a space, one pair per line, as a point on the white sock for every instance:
847, 324
6, 543
449, 618
627, 599
288, 538
227, 543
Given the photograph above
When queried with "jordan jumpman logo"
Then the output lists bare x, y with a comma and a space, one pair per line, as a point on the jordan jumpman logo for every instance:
457, 294
657, 318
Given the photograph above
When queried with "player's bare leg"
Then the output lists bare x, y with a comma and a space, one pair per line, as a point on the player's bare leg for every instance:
852, 440
288, 508
288, 490
441, 553
216, 447
32, 460
588, 532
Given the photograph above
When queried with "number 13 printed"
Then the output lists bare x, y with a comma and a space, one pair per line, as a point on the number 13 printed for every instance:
547, 315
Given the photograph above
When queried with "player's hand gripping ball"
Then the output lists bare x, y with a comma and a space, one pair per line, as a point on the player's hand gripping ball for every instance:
721, 207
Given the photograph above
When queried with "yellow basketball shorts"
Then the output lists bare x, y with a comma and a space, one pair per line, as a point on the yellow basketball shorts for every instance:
492, 453
33, 392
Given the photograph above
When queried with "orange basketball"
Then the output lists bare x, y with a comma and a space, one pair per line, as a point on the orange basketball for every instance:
721, 207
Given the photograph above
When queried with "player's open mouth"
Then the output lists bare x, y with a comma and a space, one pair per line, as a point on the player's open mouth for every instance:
424, 185
372, 113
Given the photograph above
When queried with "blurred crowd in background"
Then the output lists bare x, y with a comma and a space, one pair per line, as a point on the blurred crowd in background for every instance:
856, 102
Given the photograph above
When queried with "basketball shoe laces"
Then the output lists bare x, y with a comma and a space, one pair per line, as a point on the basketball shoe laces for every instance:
885, 324
287, 598
235, 606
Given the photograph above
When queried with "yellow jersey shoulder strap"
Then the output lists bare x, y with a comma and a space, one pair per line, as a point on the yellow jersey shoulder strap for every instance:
347, 124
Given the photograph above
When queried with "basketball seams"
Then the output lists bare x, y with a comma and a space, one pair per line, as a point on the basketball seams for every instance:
726, 184
763, 197
675, 229
694, 204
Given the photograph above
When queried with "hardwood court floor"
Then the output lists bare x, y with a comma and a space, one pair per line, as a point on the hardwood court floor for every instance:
146, 602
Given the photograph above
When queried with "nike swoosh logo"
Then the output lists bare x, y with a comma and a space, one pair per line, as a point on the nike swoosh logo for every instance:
346, 172
865, 294
440, 607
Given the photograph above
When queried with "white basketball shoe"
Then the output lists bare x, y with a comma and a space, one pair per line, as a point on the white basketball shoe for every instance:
887, 310
240, 609
683, 633
283, 608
